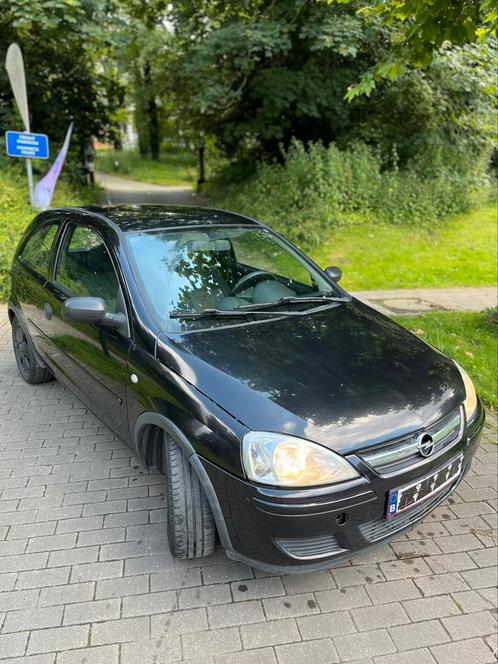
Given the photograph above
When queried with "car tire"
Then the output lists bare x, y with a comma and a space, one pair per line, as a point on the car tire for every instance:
191, 527
29, 367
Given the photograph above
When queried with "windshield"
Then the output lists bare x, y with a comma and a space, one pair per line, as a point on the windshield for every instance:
191, 270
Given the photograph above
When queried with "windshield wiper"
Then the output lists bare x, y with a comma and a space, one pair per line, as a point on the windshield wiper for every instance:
321, 299
228, 313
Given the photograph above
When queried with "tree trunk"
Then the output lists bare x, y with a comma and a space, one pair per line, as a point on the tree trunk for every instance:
152, 114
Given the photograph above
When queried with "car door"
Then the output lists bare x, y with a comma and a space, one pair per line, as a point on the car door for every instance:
91, 358
30, 272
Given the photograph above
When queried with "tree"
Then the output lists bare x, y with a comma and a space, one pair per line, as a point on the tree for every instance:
67, 49
422, 27
255, 74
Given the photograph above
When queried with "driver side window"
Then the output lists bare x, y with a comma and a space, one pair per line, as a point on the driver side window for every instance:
85, 267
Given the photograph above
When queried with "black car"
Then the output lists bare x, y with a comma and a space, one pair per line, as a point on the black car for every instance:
292, 421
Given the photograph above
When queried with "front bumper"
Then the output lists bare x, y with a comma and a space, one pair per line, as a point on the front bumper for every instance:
297, 531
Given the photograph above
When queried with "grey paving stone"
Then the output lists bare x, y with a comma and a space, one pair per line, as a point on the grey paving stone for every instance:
159, 651
419, 635
76, 556
27, 561
374, 617
441, 584
474, 624
103, 536
240, 613
343, 599
257, 589
13, 645
321, 651
485, 557
141, 605
86, 612
43, 577
95, 655
303, 583
21, 599
290, 606
178, 622
469, 601
366, 644
420, 656
325, 625
473, 651
259, 656
175, 579
481, 578
225, 573
120, 631
405, 568
18, 621
431, 607
131, 585
214, 642
190, 598
393, 591
68, 594
58, 638
274, 632
97, 571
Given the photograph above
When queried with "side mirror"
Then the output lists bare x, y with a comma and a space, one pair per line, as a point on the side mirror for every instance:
334, 273
91, 310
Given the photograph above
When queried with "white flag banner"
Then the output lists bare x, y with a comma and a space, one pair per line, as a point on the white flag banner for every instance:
14, 65
44, 190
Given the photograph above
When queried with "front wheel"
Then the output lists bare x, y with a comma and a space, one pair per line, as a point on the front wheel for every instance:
29, 367
191, 527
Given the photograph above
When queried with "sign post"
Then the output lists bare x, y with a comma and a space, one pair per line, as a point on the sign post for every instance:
14, 65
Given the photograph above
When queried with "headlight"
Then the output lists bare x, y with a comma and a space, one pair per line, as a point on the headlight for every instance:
470, 403
273, 458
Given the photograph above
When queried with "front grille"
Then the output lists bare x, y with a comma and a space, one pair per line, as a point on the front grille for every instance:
311, 547
397, 456
380, 528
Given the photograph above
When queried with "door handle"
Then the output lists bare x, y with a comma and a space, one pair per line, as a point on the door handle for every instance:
47, 310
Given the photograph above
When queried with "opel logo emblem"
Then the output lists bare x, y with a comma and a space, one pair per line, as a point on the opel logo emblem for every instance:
425, 444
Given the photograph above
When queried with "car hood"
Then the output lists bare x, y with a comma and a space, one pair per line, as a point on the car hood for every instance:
345, 376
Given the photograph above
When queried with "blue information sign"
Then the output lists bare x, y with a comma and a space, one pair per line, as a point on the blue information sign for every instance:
29, 146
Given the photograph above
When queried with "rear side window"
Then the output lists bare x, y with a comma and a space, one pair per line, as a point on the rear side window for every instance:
36, 252
85, 267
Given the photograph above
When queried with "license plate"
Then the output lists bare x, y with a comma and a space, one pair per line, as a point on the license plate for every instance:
408, 496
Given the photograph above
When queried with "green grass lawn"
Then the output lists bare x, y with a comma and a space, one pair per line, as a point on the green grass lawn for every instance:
468, 338
459, 252
16, 213
176, 166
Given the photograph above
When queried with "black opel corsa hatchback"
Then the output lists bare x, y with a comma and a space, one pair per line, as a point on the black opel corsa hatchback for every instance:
290, 420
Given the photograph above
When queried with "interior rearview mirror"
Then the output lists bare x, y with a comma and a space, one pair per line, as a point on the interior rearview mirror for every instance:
91, 310
334, 273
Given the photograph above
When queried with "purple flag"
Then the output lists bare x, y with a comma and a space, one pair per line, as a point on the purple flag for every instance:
44, 190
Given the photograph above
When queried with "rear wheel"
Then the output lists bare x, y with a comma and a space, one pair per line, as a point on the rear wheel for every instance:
29, 367
191, 527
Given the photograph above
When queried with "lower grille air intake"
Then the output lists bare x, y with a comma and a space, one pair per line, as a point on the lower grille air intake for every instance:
311, 547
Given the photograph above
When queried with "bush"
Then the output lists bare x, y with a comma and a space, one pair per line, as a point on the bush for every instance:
317, 187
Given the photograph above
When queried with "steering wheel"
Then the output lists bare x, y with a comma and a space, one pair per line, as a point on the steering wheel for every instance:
248, 278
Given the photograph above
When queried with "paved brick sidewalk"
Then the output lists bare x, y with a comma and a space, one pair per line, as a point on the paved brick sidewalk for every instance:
420, 300
85, 576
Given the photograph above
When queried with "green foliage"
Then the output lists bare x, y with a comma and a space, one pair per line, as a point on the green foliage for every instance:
318, 188
175, 167
65, 44
254, 75
16, 213
470, 339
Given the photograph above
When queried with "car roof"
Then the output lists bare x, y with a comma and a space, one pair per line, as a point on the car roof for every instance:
133, 218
